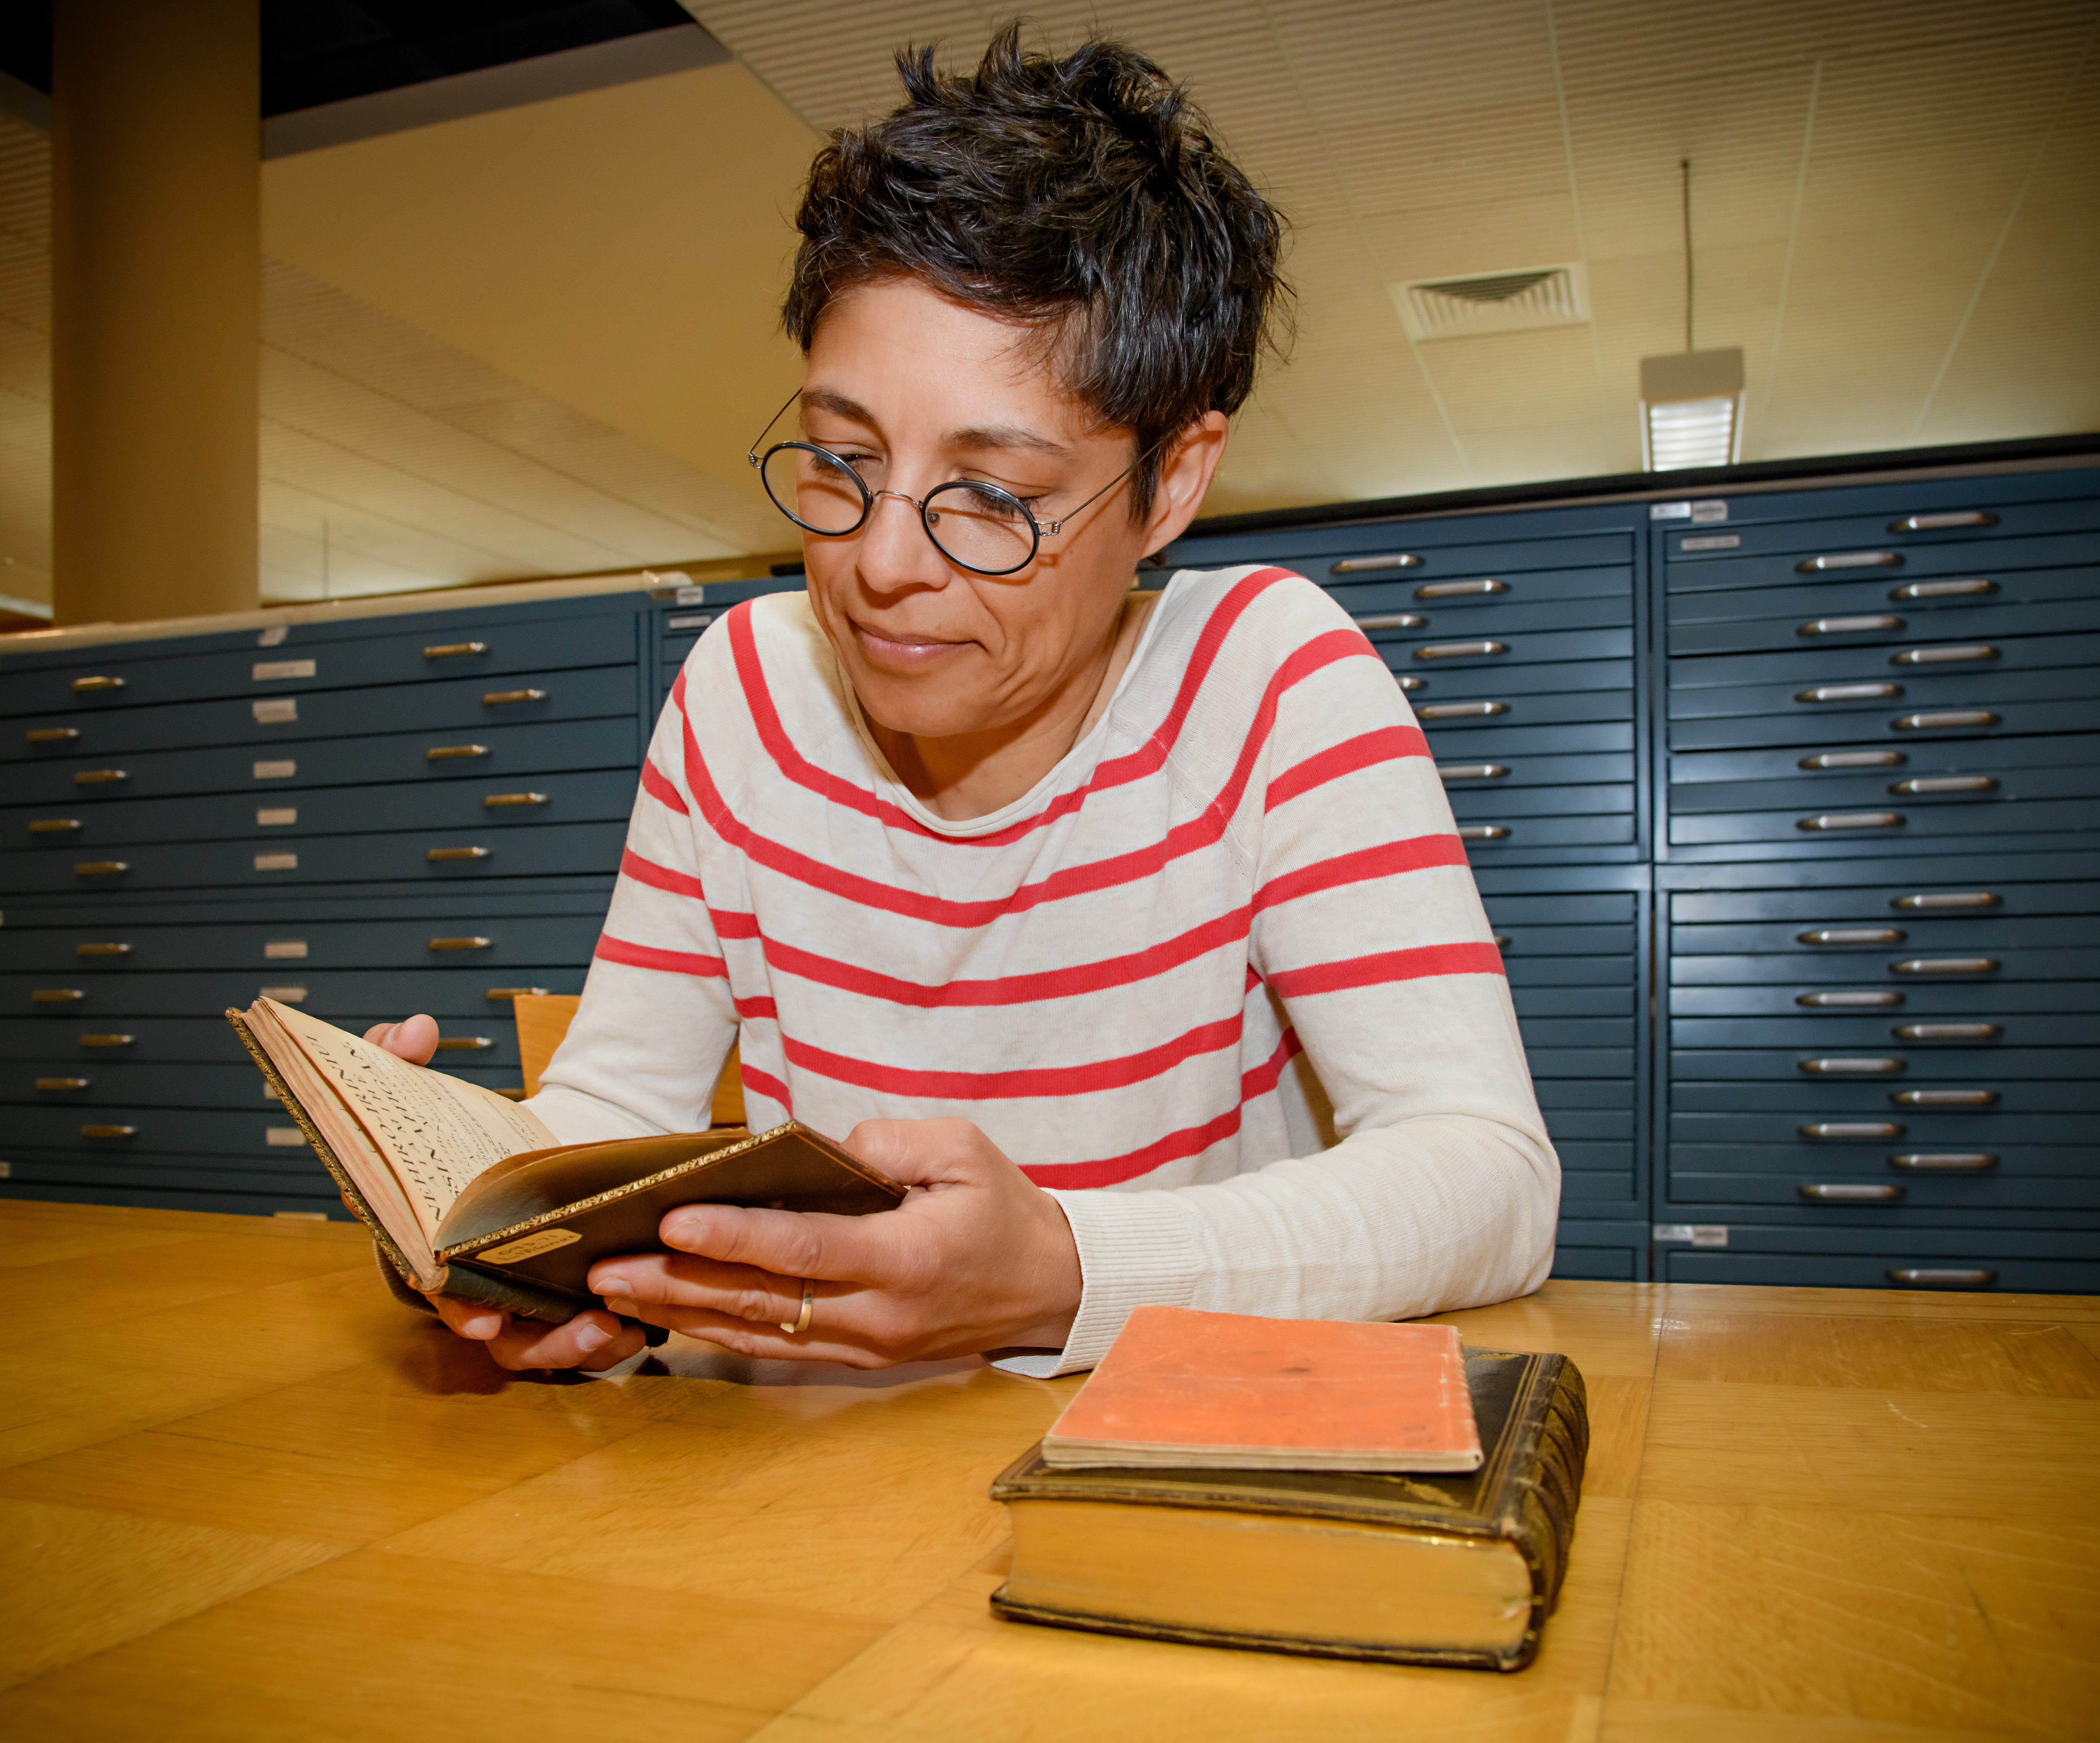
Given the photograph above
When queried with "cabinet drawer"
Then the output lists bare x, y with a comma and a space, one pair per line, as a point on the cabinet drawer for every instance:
1992, 1191
1922, 598
1515, 599
264, 820
1527, 942
1612, 1000
1911, 790
1597, 1157
152, 674
455, 707
1886, 931
1916, 1130
1498, 770
139, 1083
1448, 705
1895, 559
1959, 511
1387, 614
1494, 801
1491, 738
1442, 550
1883, 903
1896, 824
78, 1177
1829, 1032
1890, 968
1941, 657
1612, 907
484, 753
394, 992
287, 949
2074, 1001
76, 1046
1595, 1063
1693, 774
1581, 1261
1585, 1125
1501, 828
1808, 1098
1985, 709
2005, 1275
1713, 1067
518, 852
1416, 654
240, 1139
1569, 970
1548, 1030
1985, 617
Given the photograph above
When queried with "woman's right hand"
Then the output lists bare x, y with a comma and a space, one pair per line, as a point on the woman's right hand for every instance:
594, 1339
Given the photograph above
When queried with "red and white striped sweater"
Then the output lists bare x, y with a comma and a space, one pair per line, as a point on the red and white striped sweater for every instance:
1233, 925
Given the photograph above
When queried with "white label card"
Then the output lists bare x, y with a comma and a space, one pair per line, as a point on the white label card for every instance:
267, 669
282, 769
273, 711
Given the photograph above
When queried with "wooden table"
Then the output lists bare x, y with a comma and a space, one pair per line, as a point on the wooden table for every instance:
246, 1495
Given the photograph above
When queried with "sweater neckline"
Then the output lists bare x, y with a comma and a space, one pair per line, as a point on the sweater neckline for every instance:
1077, 762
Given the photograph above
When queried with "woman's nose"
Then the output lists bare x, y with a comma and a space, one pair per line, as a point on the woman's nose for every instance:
894, 549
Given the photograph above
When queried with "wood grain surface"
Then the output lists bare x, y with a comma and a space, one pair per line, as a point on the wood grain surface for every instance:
244, 1495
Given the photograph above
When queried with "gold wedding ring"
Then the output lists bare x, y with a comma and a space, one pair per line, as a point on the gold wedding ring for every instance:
802, 1324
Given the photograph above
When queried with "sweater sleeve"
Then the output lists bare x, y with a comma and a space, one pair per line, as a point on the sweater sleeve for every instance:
1369, 935
657, 1019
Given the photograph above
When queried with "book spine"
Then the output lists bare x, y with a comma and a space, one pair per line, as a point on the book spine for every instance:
340, 1175
513, 1294
1551, 1432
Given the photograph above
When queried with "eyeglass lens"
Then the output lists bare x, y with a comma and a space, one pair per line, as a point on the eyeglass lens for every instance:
976, 525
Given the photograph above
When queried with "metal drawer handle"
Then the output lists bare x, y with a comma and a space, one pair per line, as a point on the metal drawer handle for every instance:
1850, 693
1944, 656
1944, 1162
1941, 522
496, 697
98, 776
495, 800
1929, 784
1459, 589
1393, 620
1943, 1276
1850, 560
108, 1040
56, 995
447, 649
1964, 899
1964, 589
1852, 820
1502, 941
1848, 625
466, 1043
1945, 1098
1853, 1067
61, 1083
1848, 1193
1471, 771
54, 826
109, 1131
1949, 1032
1945, 720
81, 686
1359, 565
101, 867
51, 734
458, 853
1406, 682
1854, 759
102, 950
1851, 1129
1946, 965
1483, 832
1849, 1001
1852, 935
496, 995
445, 752
1460, 710
475, 943
1460, 649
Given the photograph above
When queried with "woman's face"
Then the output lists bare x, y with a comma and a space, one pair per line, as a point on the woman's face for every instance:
914, 390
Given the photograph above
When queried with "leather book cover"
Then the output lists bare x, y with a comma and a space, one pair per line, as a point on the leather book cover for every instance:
1234, 1391
1532, 1414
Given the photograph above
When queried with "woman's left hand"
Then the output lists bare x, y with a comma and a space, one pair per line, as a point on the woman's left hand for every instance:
977, 1257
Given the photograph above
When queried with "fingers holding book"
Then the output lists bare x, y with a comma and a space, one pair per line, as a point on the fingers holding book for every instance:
414, 1039
595, 1339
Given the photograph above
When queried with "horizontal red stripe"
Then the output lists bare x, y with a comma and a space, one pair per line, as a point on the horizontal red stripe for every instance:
752, 1010
647, 871
1387, 745
657, 784
1118, 771
1422, 963
1190, 1140
728, 922
647, 956
992, 1086
765, 1084
1387, 859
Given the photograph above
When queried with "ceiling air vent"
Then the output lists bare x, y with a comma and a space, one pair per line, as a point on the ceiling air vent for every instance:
1456, 308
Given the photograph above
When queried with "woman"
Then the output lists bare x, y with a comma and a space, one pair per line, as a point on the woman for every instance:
1130, 930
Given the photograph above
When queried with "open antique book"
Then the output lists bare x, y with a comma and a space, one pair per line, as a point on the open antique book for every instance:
469, 1194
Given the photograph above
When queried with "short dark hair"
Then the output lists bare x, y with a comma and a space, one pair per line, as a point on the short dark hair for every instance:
1082, 195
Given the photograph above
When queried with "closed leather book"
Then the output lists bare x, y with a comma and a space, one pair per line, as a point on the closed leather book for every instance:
1445, 1568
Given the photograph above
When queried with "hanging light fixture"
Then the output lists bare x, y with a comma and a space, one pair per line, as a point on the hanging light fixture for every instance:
1691, 401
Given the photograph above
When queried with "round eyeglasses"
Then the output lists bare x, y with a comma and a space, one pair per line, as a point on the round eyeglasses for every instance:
975, 524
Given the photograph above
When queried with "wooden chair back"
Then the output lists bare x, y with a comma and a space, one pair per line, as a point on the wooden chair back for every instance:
544, 1018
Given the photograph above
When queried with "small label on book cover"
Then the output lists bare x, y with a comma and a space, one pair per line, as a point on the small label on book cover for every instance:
516, 1252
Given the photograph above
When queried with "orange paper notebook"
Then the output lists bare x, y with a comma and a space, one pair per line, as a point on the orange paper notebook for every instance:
1232, 1392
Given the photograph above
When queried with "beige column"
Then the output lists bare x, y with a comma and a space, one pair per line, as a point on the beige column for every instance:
156, 307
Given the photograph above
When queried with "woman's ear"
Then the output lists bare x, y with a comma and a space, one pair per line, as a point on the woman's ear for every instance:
1192, 462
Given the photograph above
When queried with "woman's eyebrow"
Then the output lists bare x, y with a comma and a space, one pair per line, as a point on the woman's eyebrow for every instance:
1003, 436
